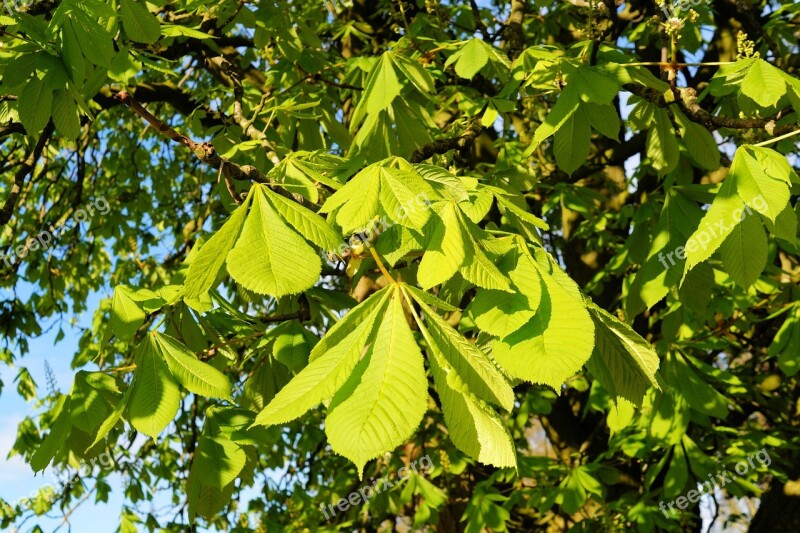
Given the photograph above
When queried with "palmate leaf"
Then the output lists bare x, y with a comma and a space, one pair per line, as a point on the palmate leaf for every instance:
330, 366
744, 251
389, 189
306, 222
470, 58
197, 376
499, 313
207, 267
446, 249
54, 441
140, 25
462, 373
477, 371
156, 396
473, 426
126, 315
269, 257
556, 342
623, 362
382, 403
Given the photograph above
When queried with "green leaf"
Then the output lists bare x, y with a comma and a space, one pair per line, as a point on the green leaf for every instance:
556, 342
306, 222
140, 25
399, 192
473, 426
208, 265
217, 461
112, 419
470, 58
95, 42
499, 313
760, 182
565, 106
65, 115
54, 441
126, 315
380, 407
327, 372
763, 83
156, 396
603, 118
357, 202
35, 104
572, 142
744, 251
700, 395
662, 145
446, 249
623, 362
415, 73
717, 223
786, 345
699, 142
197, 376
269, 257
476, 370
381, 88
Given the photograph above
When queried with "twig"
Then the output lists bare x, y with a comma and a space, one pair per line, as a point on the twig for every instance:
686, 99
779, 138
442, 146
204, 151
26, 168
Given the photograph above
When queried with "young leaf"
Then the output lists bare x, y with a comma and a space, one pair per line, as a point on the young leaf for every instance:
379, 409
306, 222
156, 396
623, 362
326, 373
126, 315
446, 250
207, 267
197, 376
476, 370
269, 257
473, 426
556, 342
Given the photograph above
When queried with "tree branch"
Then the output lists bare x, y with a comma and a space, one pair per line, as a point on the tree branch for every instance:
442, 146
19, 178
686, 99
204, 151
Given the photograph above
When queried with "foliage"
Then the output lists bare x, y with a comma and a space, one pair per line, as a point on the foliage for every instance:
511, 237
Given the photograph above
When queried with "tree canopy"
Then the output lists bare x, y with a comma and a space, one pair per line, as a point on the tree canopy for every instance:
376, 265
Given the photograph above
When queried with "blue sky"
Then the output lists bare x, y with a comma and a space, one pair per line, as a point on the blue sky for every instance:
16, 477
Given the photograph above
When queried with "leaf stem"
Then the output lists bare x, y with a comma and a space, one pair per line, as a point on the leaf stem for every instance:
380, 265
778, 139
